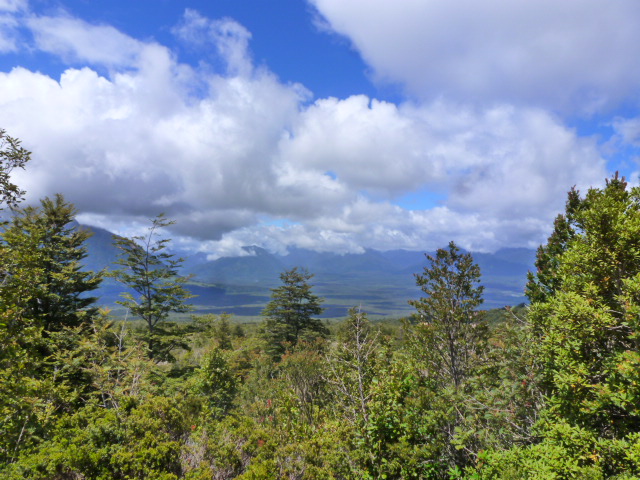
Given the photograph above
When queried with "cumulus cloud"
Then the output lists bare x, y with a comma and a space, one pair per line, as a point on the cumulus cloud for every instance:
497, 161
571, 55
239, 158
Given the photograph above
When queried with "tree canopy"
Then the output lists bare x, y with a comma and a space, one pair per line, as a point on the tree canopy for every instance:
547, 391
289, 314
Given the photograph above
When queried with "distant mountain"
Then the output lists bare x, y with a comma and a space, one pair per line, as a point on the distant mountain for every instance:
102, 251
381, 282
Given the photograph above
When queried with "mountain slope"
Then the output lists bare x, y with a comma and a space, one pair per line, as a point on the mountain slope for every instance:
381, 282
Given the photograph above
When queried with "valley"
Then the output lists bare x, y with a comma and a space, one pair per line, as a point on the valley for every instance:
380, 282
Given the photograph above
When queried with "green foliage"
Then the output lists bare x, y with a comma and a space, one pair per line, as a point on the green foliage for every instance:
44, 310
447, 345
217, 328
586, 332
216, 383
12, 156
448, 332
141, 442
289, 314
42, 246
353, 364
152, 274
472, 378
583, 322
303, 372
550, 391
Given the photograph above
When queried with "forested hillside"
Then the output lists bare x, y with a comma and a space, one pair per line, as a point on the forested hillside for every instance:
549, 391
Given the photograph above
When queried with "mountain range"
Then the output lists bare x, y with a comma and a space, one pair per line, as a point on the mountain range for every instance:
381, 282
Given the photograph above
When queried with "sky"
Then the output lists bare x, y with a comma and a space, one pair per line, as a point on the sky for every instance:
333, 125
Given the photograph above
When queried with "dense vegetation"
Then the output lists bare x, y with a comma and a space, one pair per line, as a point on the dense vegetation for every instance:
549, 391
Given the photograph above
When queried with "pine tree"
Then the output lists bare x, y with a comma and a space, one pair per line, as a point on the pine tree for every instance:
158, 290
43, 249
289, 314
45, 310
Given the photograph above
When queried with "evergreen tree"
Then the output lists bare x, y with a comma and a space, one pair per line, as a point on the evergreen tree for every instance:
47, 243
585, 322
447, 344
44, 312
223, 333
588, 323
158, 290
289, 314
448, 330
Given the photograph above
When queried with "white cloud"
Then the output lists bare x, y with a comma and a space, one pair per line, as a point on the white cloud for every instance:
568, 55
9, 35
222, 152
369, 145
13, 5
387, 227
226, 36
78, 41
628, 130
505, 161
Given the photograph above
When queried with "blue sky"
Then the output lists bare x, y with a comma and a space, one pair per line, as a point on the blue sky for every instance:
327, 124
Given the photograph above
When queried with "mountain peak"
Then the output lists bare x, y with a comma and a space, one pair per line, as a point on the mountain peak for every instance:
254, 250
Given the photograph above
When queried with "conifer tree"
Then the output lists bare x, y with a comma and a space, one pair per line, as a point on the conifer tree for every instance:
289, 314
44, 247
45, 310
447, 315
586, 326
157, 289
584, 321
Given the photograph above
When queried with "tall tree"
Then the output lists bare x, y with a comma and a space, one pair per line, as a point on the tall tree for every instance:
289, 314
585, 322
44, 311
589, 320
448, 314
446, 343
48, 243
158, 290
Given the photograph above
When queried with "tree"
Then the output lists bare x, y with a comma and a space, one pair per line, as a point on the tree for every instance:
12, 156
289, 313
588, 320
448, 330
44, 310
353, 363
584, 321
447, 344
48, 243
158, 290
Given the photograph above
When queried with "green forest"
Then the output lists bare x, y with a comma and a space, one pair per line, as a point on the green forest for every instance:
550, 390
